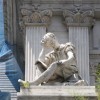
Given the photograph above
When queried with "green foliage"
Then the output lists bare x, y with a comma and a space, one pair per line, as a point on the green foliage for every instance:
98, 80
97, 86
80, 98
98, 73
98, 77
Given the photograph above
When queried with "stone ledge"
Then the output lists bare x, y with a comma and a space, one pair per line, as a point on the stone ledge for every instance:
56, 92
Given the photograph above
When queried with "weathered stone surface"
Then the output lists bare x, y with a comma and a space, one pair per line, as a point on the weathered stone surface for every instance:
79, 17
57, 93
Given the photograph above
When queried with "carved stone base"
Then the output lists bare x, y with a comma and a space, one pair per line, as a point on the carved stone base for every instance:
58, 93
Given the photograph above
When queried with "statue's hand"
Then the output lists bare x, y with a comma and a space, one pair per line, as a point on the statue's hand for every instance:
56, 63
59, 63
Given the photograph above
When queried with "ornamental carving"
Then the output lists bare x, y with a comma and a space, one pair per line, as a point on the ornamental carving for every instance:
29, 16
78, 16
93, 67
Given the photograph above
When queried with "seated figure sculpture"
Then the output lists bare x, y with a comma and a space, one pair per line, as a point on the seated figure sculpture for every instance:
58, 66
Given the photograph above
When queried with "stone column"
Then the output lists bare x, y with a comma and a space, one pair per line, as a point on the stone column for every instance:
78, 24
35, 24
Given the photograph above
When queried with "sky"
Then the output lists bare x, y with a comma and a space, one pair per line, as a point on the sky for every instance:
1, 20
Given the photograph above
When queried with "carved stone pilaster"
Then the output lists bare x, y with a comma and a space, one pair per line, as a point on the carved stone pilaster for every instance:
29, 16
32, 17
34, 22
79, 18
78, 22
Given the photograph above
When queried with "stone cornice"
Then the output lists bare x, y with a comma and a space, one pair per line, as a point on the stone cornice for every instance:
94, 56
61, 1
79, 18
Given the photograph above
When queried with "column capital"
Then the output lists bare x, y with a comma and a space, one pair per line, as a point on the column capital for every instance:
79, 18
36, 17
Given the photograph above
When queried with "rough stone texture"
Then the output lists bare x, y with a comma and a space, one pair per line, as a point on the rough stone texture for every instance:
57, 93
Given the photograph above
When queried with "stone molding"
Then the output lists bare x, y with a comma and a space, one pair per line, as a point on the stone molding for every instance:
79, 18
94, 56
29, 16
93, 67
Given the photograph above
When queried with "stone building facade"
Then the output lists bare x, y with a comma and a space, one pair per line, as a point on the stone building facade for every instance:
77, 21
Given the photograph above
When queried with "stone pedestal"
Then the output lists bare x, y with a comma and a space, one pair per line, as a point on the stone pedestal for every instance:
58, 93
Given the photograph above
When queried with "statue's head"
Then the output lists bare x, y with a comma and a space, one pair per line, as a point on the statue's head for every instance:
48, 40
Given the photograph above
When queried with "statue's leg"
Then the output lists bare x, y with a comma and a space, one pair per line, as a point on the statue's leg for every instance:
80, 81
46, 75
74, 78
77, 80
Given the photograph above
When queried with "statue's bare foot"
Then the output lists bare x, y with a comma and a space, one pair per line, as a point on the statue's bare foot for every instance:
25, 84
80, 83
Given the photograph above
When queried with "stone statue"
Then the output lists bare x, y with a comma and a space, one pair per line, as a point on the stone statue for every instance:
58, 67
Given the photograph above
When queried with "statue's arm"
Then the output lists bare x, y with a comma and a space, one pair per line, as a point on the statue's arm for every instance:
70, 55
69, 51
42, 55
38, 62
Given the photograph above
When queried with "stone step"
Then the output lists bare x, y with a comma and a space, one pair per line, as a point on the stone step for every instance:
8, 71
7, 67
2, 83
13, 95
6, 86
3, 67
7, 82
12, 90
6, 79
9, 90
6, 76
